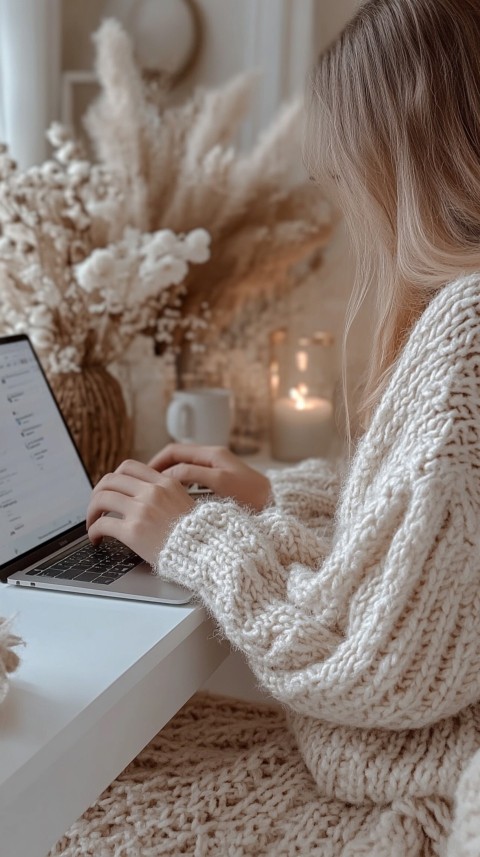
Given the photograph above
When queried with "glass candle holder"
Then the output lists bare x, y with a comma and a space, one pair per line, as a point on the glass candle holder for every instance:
301, 389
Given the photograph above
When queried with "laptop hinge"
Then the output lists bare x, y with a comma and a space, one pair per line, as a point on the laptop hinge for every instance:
49, 548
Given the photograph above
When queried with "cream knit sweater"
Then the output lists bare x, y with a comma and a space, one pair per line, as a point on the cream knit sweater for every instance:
357, 601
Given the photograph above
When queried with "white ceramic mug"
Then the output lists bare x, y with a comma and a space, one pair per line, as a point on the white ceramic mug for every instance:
201, 415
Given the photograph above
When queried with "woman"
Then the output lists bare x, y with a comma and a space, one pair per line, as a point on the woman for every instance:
358, 604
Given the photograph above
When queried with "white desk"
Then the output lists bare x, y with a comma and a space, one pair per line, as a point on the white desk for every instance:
99, 678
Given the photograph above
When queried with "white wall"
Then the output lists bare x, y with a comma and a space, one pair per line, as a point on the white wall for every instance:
331, 16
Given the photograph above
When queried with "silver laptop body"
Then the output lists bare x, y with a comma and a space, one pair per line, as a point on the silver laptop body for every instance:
44, 493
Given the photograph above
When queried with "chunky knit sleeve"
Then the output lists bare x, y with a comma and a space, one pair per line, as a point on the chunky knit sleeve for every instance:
380, 625
309, 491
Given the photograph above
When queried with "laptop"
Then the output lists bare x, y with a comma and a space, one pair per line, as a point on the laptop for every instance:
44, 493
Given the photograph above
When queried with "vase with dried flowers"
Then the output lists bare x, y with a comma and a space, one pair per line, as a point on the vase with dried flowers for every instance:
84, 283
178, 168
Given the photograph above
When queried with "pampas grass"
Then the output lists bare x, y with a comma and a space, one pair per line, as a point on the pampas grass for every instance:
182, 171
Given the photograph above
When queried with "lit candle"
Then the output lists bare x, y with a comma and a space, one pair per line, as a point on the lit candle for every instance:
301, 426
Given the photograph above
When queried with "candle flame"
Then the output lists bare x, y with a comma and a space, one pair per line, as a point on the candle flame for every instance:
297, 395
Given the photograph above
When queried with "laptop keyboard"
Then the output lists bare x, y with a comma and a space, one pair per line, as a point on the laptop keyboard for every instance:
104, 563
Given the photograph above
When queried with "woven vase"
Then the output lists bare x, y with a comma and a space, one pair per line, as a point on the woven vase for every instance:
94, 409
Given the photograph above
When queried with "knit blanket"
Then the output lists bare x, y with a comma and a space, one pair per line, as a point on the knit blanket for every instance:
225, 779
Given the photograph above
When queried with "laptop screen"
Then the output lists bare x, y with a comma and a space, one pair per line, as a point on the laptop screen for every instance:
44, 488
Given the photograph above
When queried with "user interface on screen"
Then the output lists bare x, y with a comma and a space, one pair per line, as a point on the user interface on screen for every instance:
44, 489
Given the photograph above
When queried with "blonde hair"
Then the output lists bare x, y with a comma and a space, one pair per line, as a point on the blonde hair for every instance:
394, 120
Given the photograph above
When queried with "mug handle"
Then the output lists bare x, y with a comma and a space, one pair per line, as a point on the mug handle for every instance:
180, 421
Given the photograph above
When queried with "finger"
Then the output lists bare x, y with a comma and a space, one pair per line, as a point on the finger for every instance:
139, 470
192, 453
113, 527
189, 474
107, 501
120, 482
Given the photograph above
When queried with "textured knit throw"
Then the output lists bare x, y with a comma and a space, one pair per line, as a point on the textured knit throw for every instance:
223, 778
357, 604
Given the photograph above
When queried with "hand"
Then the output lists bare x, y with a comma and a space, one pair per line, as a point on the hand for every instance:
215, 468
148, 502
